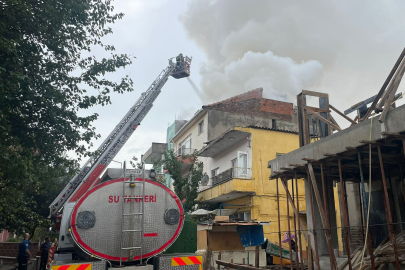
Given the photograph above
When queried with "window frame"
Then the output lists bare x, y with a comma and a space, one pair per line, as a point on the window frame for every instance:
234, 163
216, 170
183, 142
201, 127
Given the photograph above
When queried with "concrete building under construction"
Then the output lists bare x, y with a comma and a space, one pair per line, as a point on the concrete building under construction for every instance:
366, 163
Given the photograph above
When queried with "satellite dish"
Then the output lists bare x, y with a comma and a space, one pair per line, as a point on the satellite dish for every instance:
205, 179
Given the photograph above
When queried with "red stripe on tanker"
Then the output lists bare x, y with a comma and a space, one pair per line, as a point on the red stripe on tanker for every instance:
96, 219
89, 182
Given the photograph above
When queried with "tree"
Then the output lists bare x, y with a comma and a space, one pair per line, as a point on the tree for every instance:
135, 163
185, 185
47, 74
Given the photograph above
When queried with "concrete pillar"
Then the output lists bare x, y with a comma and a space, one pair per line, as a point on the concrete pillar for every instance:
355, 214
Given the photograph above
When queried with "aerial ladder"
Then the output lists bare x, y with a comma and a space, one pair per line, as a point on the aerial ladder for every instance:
93, 168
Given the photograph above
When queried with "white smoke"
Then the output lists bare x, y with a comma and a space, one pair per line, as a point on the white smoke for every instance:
343, 48
280, 77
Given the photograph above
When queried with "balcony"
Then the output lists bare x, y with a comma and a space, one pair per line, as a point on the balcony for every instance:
185, 151
236, 172
154, 153
231, 184
223, 142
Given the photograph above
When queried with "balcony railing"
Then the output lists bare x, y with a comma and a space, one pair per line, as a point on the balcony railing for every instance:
185, 151
236, 172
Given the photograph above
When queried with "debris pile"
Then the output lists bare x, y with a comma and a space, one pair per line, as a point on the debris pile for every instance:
383, 255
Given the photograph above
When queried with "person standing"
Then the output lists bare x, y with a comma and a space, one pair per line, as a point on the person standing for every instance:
24, 253
55, 243
44, 253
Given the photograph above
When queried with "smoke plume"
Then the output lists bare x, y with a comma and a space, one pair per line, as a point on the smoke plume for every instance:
342, 48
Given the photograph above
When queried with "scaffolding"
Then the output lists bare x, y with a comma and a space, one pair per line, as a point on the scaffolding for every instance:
370, 149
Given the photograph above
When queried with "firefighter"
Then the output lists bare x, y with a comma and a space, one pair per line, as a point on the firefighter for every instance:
44, 253
24, 253
179, 60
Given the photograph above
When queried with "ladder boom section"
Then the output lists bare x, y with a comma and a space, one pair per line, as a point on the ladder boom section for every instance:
93, 168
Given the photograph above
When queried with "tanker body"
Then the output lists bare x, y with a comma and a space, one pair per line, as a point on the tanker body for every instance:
106, 223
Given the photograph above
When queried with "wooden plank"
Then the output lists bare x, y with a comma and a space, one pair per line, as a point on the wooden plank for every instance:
392, 88
236, 266
257, 254
323, 119
346, 261
297, 214
387, 134
315, 109
333, 121
387, 105
355, 120
384, 98
296, 165
321, 210
305, 119
310, 159
300, 124
315, 94
384, 86
342, 114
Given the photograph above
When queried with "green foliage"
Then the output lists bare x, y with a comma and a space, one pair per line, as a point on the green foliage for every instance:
47, 74
185, 185
41, 233
135, 163
14, 240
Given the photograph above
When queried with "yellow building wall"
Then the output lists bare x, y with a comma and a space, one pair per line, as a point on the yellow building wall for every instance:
265, 145
263, 206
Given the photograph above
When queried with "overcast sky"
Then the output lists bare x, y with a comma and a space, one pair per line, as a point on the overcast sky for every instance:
343, 48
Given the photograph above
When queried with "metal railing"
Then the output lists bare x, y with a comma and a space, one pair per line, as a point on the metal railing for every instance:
235, 172
185, 151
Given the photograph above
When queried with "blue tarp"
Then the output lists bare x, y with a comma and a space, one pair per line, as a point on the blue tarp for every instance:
251, 235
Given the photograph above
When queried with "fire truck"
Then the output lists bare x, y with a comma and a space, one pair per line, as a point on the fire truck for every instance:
110, 217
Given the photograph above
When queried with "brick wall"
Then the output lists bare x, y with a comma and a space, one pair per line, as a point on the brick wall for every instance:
356, 239
274, 106
253, 94
251, 107
11, 250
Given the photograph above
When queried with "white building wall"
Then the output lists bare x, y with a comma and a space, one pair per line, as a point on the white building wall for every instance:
223, 159
197, 140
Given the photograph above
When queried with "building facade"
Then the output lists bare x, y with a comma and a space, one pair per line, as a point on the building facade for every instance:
234, 139
240, 181
155, 153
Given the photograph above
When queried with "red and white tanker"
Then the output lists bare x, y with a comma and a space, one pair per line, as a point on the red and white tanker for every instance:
95, 225
97, 218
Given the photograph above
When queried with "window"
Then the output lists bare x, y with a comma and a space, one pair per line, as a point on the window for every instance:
247, 215
234, 163
314, 127
242, 164
201, 127
273, 124
215, 172
185, 146
241, 215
